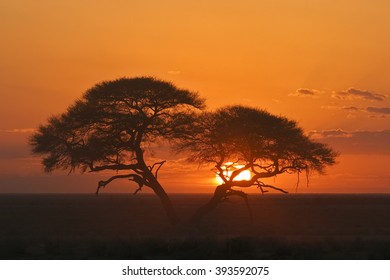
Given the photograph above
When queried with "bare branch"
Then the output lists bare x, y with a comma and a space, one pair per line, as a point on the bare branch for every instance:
103, 184
275, 188
133, 167
140, 181
263, 191
218, 166
261, 185
298, 179
137, 190
235, 173
158, 168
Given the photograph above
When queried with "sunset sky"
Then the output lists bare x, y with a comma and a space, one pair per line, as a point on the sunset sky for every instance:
325, 64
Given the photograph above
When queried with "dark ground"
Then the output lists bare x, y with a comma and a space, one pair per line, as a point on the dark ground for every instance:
134, 227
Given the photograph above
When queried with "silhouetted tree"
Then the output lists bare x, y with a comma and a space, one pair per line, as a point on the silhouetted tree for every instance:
239, 139
109, 127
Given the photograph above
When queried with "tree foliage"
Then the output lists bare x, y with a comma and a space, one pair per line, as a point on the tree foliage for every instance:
236, 139
110, 126
111, 123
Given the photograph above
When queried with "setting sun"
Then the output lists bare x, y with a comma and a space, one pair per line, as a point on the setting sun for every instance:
229, 168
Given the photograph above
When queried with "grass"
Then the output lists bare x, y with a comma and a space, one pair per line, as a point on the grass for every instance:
128, 227
195, 248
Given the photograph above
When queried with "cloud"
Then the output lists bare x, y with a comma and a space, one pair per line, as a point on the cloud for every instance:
344, 108
174, 72
331, 107
351, 108
355, 142
377, 116
305, 92
353, 93
247, 100
18, 130
329, 133
380, 110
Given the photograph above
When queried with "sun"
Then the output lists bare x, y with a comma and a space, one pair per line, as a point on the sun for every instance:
229, 168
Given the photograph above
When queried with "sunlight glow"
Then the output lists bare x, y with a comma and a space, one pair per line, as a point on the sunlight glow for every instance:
244, 175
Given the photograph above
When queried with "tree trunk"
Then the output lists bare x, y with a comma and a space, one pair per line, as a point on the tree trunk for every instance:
219, 194
157, 188
164, 198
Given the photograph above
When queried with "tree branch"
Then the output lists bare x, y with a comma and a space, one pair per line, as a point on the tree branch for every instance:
158, 168
218, 166
103, 184
236, 172
261, 185
253, 180
134, 167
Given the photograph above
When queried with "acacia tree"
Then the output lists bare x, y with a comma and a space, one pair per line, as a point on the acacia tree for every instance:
109, 127
238, 139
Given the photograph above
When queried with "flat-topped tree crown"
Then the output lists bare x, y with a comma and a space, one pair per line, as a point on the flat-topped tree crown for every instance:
266, 144
237, 139
109, 127
111, 122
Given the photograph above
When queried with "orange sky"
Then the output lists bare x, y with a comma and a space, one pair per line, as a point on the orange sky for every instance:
322, 63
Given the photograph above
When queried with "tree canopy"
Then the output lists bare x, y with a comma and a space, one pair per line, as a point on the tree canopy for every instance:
238, 139
110, 123
109, 127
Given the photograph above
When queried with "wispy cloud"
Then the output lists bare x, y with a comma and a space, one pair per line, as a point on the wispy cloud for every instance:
383, 112
174, 72
18, 130
351, 108
353, 93
344, 108
305, 92
380, 110
329, 133
247, 101
377, 116
355, 142
331, 107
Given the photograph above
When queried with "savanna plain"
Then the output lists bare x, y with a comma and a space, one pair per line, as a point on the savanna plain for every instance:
123, 226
